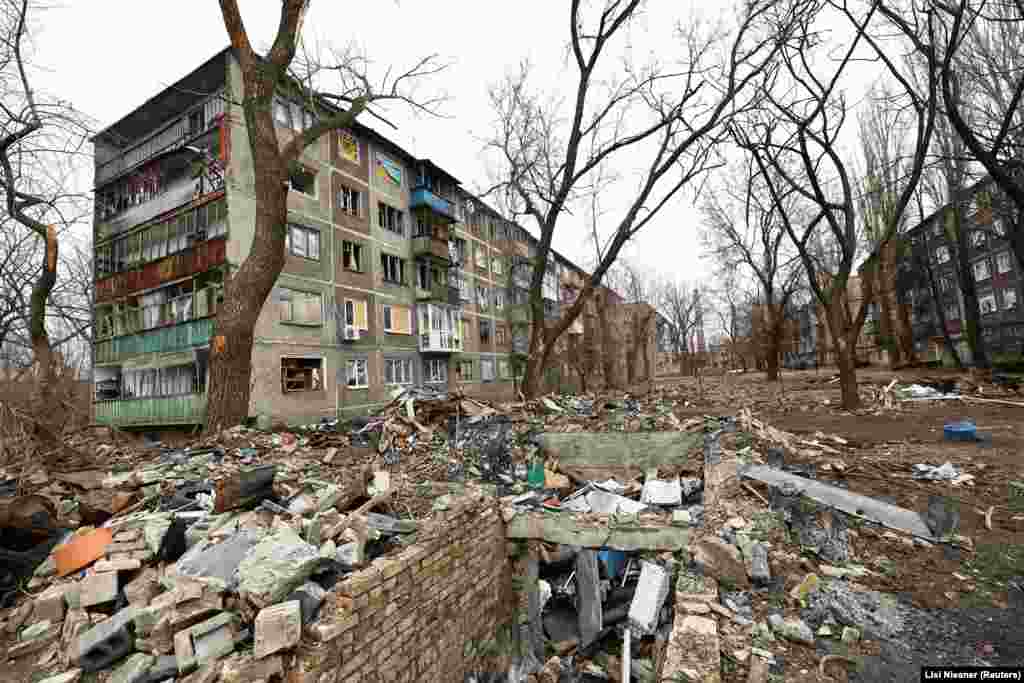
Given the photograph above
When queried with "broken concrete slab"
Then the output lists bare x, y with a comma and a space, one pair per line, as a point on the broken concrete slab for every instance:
595, 532
796, 630
277, 628
309, 595
105, 643
218, 562
649, 597
207, 641
693, 650
588, 596
164, 668
117, 565
942, 516
846, 501
277, 565
590, 456
604, 503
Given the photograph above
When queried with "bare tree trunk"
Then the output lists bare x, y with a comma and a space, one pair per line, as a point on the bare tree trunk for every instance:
247, 289
772, 360
847, 361
47, 420
887, 304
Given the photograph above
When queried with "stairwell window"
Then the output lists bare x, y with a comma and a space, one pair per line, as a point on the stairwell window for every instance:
304, 242
392, 268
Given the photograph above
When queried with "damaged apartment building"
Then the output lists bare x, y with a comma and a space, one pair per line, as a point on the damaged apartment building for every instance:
394, 274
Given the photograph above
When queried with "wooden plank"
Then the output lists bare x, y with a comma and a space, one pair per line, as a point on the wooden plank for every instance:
597, 532
592, 456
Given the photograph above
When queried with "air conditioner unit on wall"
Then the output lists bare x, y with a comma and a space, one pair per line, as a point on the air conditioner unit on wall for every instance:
350, 333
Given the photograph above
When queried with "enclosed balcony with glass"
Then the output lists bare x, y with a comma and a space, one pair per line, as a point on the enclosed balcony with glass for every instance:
439, 328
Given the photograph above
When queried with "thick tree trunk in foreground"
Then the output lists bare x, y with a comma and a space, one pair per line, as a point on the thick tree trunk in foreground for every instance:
846, 357
47, 417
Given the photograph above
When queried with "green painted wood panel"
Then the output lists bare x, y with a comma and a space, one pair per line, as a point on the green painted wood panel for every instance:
169, 410
175, 338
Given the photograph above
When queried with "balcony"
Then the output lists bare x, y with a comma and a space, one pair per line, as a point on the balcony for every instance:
141, 412
437, 341
518, 314
174, 196
424, 197
428, 245
175, 338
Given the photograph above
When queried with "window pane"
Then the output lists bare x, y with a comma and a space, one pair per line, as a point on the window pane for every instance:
314, 245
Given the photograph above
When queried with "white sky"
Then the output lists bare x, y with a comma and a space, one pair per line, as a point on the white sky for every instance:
108, 57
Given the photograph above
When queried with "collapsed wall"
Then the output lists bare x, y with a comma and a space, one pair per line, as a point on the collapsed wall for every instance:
427, 613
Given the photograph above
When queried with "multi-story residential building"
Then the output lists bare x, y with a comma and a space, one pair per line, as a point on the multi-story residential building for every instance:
394, 274
995, 271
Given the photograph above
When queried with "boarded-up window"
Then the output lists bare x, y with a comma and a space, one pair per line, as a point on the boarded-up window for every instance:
301, 374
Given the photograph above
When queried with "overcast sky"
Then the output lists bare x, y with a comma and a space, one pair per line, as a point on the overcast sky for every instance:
108, 57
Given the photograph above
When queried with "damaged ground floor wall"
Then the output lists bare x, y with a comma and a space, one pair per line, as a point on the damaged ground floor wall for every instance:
436, 611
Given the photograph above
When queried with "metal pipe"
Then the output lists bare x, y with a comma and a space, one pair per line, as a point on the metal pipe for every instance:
626, 656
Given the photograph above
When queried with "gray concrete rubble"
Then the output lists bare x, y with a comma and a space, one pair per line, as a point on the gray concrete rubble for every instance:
276, 565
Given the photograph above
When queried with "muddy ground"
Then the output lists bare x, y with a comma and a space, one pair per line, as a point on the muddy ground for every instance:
958, 600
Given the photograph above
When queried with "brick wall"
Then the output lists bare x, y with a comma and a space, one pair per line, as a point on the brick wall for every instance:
432, 612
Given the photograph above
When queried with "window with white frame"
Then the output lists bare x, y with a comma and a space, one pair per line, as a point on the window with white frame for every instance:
487, 369
358, 378
390, 218
435, 370
942, 254
499, 334
388, 322
987, 303
350, 201
302, 308
499, 299
303, 241
393, 269
1003, 263
1009, 298
463, 286
398, 371
352, 256
981, 270
481, 256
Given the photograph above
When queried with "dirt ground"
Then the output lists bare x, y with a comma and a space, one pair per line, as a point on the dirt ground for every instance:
962, 613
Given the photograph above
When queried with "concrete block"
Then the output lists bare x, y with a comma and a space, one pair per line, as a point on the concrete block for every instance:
50, 605
105, 643
310, 595
275, 566
132, 670
277, 628
97, 589
207, 641
218, 561
163, 669
649, 597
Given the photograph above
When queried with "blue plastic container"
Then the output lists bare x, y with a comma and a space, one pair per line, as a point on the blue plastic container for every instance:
964, 430
614, 562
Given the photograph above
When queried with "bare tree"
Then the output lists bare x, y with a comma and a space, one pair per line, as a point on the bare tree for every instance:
796, 139
42, 139
279, 72
678, 301
673, 115
743, 231
638, 290
733, 302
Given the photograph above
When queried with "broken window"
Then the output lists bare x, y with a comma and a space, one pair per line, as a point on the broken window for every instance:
302, 180
503, 369
352, 256
301, 374
397, 371
977, 239
357, 374
422, 275
390, 218
485, 331
303, 241
155, 382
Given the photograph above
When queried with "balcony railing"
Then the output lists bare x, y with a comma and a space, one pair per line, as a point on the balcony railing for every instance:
165, 410
175, 338
191, 306
173, 197
174, 134
422, 196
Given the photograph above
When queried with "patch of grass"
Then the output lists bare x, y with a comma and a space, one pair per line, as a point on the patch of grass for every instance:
992, 567
777, 599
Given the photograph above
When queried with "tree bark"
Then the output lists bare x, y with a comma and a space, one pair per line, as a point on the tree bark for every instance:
846, 358
47, 427
772, 359
246, 290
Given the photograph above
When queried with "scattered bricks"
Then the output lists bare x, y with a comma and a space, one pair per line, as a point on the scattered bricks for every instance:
693, 650
66, 677
117, 548
244, 668
128, 536
277, 628
210, 640
105, 643
97, 589
208, 673
118, 565
76, 622
275, 566
133, 670
144, 588
721, 560
758, 670
49, 605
